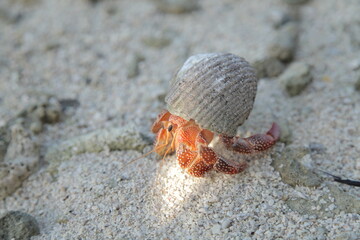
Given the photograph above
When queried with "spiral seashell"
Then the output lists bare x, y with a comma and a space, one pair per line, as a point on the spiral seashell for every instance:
217, 90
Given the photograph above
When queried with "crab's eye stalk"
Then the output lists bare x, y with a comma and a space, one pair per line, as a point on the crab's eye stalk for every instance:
170, 128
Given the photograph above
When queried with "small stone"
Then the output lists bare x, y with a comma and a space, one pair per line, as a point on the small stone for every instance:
226, 223
284, 44
52, 45
278, 18
52, 112
156, 41
36, 127
216, 229
285, 130
268, 67
94, 1
331, 207
296, 78
10, 16
69, 103
292, 172
357, 84
355, 64
177, 6
133, 66
317, 147
295, 2
18, 225
352, 29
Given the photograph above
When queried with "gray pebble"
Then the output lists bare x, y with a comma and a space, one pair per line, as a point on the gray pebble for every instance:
18, 225
292, 171
94, 1
278, 18
177, 6
285, 130
133, 66
317, 147
52, 112
9, 16
284, 43
355, 64
52, 45
226, 223
352, 29
296, 78
268, 67
36, 127
69, 103
156, 41
216, 229
295, 2
357, 84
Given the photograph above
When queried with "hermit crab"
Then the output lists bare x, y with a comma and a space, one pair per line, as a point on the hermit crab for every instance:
210, 97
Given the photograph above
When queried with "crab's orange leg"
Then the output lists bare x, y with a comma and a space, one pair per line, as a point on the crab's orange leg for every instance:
255, 143
228, 166
192, 151
196, 163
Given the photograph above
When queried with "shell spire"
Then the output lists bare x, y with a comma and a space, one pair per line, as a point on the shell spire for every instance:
217, 90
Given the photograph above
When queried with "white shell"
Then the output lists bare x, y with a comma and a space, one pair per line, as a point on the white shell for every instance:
217, 90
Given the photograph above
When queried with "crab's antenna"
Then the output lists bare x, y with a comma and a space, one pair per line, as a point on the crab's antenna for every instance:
167, 151
144, 155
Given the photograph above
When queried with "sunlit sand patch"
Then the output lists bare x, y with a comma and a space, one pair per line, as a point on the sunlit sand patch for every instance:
172, 188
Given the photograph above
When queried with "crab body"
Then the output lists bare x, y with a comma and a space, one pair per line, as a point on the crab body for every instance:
191, 144
210, 96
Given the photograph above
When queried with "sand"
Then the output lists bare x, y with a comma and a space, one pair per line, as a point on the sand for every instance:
76, 50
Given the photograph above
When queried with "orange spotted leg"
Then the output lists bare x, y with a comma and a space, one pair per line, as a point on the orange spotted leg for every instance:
255, 143
192, 152
196, 163
229, 166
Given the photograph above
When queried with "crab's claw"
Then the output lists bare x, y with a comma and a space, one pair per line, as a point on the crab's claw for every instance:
255, 143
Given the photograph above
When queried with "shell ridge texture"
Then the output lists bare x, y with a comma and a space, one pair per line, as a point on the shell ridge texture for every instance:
195, 74
218, 86
216, 90
231, 98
